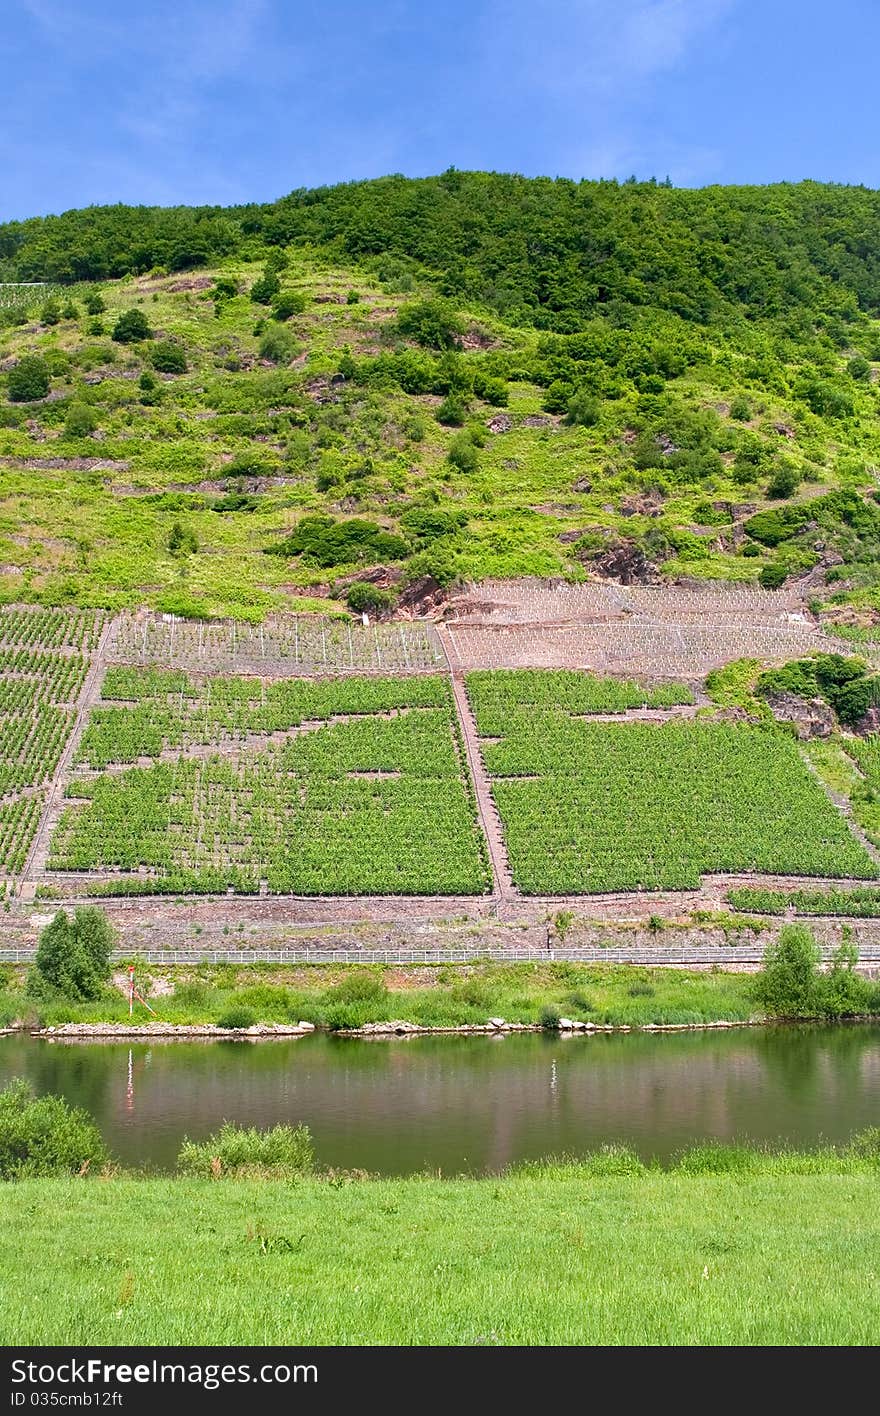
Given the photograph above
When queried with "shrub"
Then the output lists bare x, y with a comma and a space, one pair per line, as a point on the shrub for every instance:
94, 303
237, 1016
182, 540
45, 1136
168, 358
360, 986
73, 955
353, 297
191, 994
278, 344
463, 454
131, 326
493, 391
279, 1153
264, 290
852, 701
557, 397
549, 1018
859, 369
50, 314
290, 303
363, 598
452, 411
582, 410
80, 421
28, 379
842, 992
784, 482
426, 524
772, 576
787, 986
613, 1160
865, 1145
716, 1160
235, 501
431, 323
826, 399
327, 542
741, 409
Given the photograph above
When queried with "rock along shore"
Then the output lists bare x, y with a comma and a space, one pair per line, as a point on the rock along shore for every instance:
397, 1028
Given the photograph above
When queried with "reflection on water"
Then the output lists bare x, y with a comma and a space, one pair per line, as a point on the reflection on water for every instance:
454, 1104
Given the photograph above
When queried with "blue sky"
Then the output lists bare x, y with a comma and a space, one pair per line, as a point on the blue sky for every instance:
227, 101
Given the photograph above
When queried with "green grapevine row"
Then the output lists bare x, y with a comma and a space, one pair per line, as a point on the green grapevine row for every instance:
155, 710
51, 629
497, 693
372, 804
605, 807
18, 826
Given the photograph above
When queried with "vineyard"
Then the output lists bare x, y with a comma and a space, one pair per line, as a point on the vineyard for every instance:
297, 644
324, 787
498, 695
591, 807
42, 670
856, 904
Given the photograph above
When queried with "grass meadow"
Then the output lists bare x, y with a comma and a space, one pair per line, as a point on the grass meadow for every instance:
730, 1248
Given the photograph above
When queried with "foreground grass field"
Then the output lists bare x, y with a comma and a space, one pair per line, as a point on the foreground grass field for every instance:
780, 1253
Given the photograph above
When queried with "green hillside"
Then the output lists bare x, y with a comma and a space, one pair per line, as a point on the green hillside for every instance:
460, 377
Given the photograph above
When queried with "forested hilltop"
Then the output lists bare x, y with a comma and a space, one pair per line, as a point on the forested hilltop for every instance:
460, 376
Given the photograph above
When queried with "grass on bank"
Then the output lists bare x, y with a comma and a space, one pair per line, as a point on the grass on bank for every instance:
448, 995
727, 1248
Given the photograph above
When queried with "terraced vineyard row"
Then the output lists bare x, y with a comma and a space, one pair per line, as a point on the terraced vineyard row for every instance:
601, 807
496, 696
375, 802
43, 665
289, 644
51, 629
150, 710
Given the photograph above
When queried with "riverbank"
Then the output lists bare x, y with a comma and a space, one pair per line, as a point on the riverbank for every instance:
345, 998
731, 1247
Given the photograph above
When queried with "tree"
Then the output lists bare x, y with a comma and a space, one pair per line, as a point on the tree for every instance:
787, 986
73, 955
131, 327
28, 380
95, 303
50, 313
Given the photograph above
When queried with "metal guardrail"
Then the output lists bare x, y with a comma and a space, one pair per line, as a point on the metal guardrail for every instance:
745, 953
